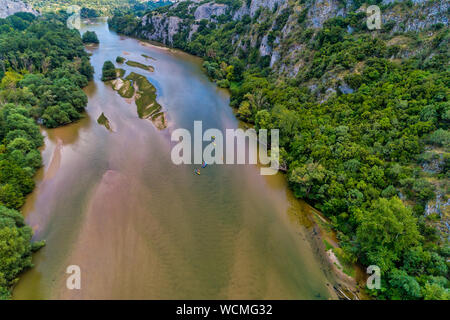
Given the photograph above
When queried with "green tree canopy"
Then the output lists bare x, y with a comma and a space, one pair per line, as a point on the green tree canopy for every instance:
90, 37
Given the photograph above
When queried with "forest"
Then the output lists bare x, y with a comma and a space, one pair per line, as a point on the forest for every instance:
43, 66
356, 156
97, 8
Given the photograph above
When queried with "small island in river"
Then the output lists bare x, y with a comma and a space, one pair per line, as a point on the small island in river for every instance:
103, 120
140, 65
138, 88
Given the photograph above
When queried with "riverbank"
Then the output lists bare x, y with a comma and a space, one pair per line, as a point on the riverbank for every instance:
350, 278
24, 107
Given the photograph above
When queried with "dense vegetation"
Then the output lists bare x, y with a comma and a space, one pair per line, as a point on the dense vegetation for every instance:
90, 37
355, 156
96, 8
43, 65
108, 71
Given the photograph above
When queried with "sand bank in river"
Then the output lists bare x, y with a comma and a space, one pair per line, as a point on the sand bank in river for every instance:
142, 66
350, 278
103, 120
148, 57
55, 163
137, 88
148, 44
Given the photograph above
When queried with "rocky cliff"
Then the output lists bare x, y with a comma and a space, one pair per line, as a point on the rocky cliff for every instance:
286, 33
294, 15
9, 7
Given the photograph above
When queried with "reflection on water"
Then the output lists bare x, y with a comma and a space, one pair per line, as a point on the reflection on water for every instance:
142, 228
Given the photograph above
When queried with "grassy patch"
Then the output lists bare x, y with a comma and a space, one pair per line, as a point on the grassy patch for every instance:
120, 73
159, 120
328, 246
348, 268
148, 57
127, 90
145, 96
140, 65
156, 115
103, 120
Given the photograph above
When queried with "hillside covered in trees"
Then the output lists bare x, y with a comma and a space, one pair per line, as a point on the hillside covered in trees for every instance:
363, 115
43, 67
97, 8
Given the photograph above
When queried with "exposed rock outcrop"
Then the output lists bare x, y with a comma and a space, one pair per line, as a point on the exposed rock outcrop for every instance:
210, 10
419, 18
255, 5
322, 10
161, 28
10, 7
275, 28
264, 48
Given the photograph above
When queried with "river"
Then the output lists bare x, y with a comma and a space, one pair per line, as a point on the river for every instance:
140, 227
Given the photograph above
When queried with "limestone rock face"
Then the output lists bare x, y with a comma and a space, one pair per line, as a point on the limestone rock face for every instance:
161, 28
255, 5
322, 10
416, 20
10, 7
284, 51
264, 48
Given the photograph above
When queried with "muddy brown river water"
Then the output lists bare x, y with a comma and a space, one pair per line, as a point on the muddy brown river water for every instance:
141, 227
